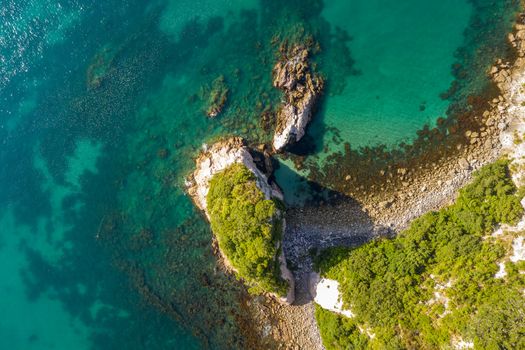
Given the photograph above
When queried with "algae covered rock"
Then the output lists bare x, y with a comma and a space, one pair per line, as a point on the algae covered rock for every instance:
217, 97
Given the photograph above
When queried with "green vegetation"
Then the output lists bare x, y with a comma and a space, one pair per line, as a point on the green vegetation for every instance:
517, 138
339, 332
390, 284
248, 228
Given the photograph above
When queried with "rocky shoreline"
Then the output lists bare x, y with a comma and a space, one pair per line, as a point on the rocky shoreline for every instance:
437, 186
354, 222
351, 223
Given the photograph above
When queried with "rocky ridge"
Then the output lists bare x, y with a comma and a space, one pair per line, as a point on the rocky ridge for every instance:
302, 88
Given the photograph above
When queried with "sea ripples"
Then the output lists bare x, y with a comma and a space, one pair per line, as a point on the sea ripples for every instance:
27, 28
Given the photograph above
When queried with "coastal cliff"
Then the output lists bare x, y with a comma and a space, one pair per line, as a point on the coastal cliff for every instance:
302, 88
228, 183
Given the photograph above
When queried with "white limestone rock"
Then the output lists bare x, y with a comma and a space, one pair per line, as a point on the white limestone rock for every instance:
326, 294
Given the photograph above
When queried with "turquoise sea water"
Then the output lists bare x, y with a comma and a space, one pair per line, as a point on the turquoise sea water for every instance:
102, 110
403, 53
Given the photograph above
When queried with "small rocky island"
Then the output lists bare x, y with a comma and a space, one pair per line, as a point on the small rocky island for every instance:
246, 214
302, 87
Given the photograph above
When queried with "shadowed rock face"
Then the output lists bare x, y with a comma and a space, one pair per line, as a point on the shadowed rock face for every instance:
217, 158
301, 87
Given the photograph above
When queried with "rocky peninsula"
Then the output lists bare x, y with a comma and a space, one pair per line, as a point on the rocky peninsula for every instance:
301, 87
217, 160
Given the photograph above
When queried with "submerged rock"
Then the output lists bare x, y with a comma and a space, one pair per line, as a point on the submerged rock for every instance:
217, 98
218, 158
100, 66
301, 87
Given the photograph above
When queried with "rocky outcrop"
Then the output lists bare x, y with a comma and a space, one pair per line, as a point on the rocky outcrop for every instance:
217, 158
511, 81
301, 88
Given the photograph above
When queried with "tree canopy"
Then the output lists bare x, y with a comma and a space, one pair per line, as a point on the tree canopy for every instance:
248, 228
435, 282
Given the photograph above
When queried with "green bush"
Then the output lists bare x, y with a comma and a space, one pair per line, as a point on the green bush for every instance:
339, 332
387, 283
248, 228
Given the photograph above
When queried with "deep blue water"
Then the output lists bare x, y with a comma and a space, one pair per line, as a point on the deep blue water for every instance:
102, 111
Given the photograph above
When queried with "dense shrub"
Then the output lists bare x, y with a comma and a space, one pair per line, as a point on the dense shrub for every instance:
339, 332
248, 228
388, 283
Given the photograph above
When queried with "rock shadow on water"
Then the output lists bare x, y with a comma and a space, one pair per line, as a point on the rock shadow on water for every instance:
317, 219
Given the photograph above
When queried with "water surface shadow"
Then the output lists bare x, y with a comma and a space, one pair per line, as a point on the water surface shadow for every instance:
317, 219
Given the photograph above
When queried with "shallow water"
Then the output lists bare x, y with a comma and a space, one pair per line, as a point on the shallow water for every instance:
403, 53
102, 110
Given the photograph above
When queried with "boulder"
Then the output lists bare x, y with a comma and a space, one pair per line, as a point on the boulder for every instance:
464, 164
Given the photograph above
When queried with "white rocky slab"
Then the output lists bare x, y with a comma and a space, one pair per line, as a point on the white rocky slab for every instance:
326, 294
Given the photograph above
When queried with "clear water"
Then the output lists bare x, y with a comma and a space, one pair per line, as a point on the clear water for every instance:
403, 53
101, 113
